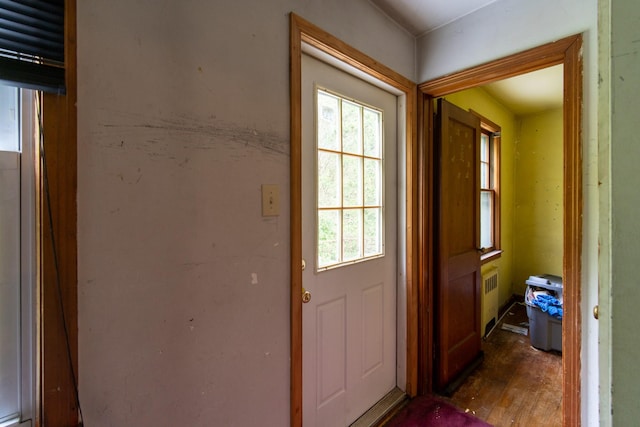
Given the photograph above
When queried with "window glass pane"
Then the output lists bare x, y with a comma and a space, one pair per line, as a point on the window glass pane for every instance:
484, 147
372, 182
9, 119
329, 179
372, 133
485, 176
328, 122
372, 232
9, 283
349, 177
352, 229
351, 128
486, 219
329, 237
352, 181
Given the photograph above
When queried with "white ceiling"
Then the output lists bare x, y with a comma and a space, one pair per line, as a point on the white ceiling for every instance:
421, 16
530, 93
526, 94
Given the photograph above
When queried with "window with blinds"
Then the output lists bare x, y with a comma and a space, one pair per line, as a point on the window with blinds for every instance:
32, 44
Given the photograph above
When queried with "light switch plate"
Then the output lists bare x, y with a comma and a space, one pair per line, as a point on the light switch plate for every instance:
270, 200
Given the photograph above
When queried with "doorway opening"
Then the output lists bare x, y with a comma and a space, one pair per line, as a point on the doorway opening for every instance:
565, 52
306, 36
521, 162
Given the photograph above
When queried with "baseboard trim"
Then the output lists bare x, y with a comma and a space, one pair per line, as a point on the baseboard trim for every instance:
514, 298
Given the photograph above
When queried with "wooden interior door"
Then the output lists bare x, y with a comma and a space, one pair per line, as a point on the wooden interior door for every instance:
457, 288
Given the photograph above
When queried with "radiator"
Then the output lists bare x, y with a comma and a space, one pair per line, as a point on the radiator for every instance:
489, 300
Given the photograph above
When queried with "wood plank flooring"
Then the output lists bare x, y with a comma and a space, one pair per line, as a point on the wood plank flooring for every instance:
516, 385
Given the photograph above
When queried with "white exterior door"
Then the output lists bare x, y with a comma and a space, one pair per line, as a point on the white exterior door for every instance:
349, 229
17, 257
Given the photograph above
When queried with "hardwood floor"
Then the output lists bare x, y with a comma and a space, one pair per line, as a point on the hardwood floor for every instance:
516, 385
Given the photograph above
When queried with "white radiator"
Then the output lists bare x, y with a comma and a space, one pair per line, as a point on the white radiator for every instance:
489, 300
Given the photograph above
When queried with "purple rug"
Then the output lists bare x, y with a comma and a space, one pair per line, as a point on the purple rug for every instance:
433, 412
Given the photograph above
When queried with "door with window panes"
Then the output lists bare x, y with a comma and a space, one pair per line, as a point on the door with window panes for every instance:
17, 257
349, 244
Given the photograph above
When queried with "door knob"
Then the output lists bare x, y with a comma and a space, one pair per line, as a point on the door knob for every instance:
595, 312
306, 296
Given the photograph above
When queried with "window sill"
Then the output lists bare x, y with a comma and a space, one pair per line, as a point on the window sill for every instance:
490, 256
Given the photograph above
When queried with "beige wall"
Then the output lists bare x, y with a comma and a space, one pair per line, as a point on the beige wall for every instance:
183, 293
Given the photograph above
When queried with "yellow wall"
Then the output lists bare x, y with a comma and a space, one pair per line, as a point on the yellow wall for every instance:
531, 190
538, 203
481, 102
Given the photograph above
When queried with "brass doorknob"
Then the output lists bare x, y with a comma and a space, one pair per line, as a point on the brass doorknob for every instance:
596, 309
306, 296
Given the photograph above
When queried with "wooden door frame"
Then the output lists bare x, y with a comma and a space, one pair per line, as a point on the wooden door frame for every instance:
57, 363
302, 31
567, 51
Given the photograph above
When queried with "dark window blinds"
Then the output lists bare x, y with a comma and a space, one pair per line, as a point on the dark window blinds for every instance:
32, 44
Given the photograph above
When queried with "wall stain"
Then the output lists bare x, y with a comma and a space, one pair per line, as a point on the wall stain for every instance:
158, 135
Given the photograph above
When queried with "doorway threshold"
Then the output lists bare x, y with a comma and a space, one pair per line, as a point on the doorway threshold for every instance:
382, 409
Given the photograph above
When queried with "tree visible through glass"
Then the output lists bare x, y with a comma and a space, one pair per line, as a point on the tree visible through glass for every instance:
349, 181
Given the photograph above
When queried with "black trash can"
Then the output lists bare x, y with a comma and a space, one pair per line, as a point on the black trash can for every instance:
545, 330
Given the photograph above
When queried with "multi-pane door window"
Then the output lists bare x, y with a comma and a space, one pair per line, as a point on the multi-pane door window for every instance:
350, 200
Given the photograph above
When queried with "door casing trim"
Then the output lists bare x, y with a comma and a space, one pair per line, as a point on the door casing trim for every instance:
567, 51
57, 359
302, 31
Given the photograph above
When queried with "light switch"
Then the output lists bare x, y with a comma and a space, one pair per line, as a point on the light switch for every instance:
270, 200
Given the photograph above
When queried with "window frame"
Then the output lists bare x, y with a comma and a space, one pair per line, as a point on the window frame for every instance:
23, 339
363, 206
29, 275
494, 132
